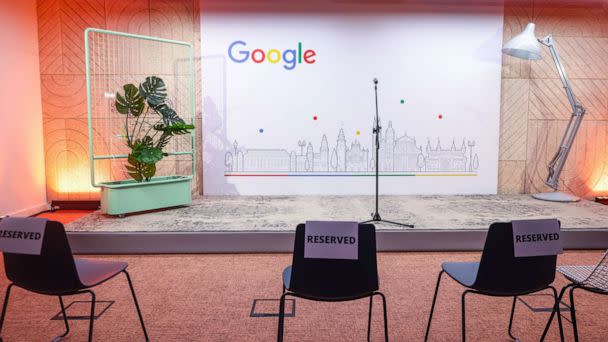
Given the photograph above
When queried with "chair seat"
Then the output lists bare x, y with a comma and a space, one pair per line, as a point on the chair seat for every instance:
581, 274
95, 272
286, 276
464, 273
577, 274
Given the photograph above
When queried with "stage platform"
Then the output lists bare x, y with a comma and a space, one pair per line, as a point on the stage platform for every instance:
283, 213
266, 224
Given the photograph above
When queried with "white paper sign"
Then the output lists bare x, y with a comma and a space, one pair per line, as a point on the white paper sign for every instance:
536, 238
22, 235
331, 240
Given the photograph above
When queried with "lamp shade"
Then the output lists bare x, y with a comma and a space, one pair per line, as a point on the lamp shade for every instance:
524, 45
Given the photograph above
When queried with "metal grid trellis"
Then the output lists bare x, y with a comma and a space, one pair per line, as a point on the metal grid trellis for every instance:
114, 59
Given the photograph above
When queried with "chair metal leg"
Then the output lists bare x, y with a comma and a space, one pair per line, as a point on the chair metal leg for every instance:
385, 314
281, 317
428, 325
511, 319
369, 319
464, 326
573, 314
65, 320
555, 310
141, 318
6, 298
92, 317
559, 315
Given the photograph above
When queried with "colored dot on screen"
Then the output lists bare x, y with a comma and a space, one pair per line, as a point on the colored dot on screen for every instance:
440, 116
358, 132
402, 101
315, 118
261, 130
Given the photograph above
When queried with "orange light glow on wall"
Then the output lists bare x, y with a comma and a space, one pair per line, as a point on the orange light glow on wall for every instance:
72, 181
602, 185
65, 183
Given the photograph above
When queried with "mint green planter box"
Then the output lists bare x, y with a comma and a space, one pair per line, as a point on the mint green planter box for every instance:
129, 196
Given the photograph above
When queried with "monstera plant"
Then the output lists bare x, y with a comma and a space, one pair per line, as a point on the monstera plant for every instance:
150, 123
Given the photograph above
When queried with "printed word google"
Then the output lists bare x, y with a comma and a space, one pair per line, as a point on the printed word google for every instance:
238, 52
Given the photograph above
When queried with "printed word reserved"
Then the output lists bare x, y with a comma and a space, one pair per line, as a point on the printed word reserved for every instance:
346, 240
537, 237
15, 234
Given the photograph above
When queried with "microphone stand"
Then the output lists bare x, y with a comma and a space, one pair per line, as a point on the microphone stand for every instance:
376, 130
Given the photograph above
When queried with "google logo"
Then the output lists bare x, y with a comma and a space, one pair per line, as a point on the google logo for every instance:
290, 57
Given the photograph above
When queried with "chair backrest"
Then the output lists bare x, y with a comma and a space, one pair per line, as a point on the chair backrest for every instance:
53, 271
501, 272
336, 279
598, 279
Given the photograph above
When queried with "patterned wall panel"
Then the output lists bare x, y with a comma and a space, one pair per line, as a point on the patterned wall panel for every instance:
131, 16
62, 96
514, 118
76, 16
49, 36
511, 176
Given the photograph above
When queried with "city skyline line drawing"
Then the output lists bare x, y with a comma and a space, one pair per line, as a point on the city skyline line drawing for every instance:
397, 154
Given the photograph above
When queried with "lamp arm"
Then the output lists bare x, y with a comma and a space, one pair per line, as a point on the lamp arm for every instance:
556, 165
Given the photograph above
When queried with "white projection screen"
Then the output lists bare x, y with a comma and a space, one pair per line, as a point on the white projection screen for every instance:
288, 101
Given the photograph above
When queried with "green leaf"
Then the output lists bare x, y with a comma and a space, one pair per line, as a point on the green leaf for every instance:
138, 177
148, 171
150, 155
175, 128
154, 90
168, 114
163, 141
131, 103
132, 159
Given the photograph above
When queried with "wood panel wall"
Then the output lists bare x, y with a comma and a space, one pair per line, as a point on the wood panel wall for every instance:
534, 110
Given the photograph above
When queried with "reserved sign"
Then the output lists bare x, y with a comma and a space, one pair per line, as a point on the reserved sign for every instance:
331, 240
536, 238
22, 235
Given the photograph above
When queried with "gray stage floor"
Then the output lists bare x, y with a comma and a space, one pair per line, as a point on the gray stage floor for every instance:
281, 213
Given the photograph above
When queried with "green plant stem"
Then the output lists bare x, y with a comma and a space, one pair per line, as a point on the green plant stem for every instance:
160, 140
152, 126
134, 126
155, 134
142, 122
127, 130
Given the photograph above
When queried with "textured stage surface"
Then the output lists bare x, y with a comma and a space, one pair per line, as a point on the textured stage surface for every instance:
279, 213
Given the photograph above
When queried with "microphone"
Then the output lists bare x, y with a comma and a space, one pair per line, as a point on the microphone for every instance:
375, 80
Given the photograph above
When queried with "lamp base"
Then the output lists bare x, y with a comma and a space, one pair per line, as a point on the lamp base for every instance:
556, 196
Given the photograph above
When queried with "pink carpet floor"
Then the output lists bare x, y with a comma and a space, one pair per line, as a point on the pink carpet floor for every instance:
209, 298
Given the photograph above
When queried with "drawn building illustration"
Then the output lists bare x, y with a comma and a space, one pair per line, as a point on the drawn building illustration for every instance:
397, 154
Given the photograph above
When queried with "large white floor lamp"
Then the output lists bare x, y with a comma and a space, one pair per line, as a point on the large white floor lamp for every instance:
526, 46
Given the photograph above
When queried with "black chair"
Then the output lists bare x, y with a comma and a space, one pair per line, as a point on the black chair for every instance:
592, 278
500, 274
55, 272
333, 280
